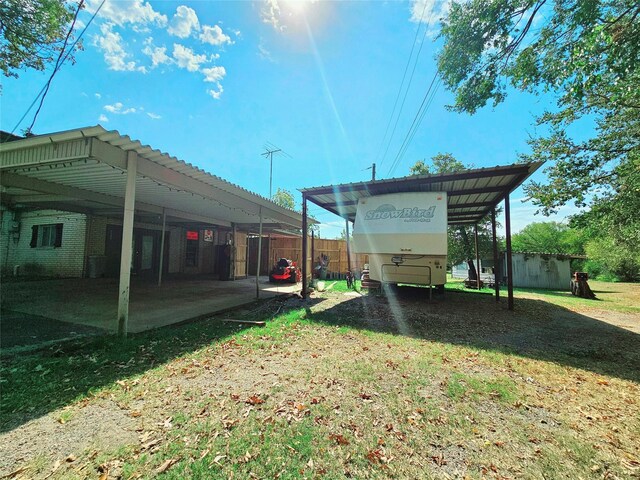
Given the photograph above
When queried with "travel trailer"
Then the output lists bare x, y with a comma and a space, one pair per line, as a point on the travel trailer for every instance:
405, 237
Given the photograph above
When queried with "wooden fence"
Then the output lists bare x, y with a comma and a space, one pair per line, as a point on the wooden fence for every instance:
336, 250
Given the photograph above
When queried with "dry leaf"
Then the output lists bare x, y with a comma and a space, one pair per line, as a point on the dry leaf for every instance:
254, 400
167, 464
339, 439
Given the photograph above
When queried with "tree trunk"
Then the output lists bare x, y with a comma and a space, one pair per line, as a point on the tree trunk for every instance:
473, 274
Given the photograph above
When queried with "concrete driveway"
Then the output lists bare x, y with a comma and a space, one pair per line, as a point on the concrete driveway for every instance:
94, 302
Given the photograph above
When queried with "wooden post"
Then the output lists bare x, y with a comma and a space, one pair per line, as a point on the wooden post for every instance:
126, 251
475, 236
495, 255
259, 256
507, 222
164, 223
304, 246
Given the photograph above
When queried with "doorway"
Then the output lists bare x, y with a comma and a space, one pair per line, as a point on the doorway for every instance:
145, 260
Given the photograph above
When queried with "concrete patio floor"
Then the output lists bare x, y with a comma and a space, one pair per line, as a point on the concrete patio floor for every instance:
94, 302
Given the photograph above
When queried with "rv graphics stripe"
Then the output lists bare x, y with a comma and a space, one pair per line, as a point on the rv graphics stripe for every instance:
387, 211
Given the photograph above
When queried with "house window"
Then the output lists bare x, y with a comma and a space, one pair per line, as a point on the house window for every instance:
46, 235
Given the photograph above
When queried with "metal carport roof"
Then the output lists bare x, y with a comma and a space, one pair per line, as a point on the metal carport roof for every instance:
84, 170
472, 194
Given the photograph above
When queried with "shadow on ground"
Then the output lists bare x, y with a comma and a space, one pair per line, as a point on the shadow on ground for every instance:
40, 382
536, 329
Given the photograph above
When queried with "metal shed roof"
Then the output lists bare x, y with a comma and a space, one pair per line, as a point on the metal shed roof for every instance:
85, 170
471, 193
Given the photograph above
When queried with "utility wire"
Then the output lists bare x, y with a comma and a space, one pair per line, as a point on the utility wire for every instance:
404, 75
426, 30
417, 119
59, 64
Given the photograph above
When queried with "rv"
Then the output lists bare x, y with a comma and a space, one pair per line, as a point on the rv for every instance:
405, 237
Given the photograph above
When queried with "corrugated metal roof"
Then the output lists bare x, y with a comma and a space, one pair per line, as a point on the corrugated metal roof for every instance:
471, 193
71, 159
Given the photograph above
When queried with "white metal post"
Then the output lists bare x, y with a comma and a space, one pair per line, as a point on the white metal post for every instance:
164, 223
126, 251
232, 259
259, 256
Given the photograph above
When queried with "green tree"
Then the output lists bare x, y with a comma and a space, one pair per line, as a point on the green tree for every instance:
612, 226
549, 237
460, 238
33, 33
284, 198
586, 53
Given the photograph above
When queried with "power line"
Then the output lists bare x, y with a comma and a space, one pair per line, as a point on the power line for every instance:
406, 92
404, 75
417, 120
58, 66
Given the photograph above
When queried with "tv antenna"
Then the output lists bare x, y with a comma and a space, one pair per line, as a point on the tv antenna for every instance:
270, 150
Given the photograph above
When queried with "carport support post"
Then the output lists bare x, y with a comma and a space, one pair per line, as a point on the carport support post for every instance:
232, 259
304, 246
126, 252
164, 223
507, 225
496, 285
349, 249
475, 237
259, 256
313, 249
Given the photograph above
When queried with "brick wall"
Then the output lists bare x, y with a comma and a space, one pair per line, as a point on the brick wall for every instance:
64, 261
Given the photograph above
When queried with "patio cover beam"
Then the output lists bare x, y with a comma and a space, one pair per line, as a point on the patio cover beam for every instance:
65, 192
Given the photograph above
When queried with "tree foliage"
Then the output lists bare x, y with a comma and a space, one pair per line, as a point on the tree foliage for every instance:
33, 33
549, 237
284, 198
460, 238
587, 53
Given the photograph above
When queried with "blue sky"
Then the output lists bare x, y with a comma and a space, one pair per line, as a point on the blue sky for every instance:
212, 82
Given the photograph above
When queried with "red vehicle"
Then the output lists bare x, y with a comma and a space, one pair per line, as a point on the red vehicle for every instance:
285, 271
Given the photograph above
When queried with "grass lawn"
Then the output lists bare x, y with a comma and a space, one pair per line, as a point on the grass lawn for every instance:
341, 386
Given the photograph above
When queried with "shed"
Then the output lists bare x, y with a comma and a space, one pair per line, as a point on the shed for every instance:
550, 271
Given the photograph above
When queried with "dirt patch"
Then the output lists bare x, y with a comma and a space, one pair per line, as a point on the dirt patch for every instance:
65, 434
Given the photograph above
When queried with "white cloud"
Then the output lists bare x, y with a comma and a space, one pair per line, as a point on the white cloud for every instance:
214, 35
97, 95
214, 74
154, 116
186, 58
118, 109
103, 118
184, 21
114, 53
122, 12
271, 14
429, 11
216, 93
158, 55
265, 54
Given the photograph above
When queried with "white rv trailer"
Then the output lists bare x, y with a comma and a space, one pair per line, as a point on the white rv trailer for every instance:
405, 237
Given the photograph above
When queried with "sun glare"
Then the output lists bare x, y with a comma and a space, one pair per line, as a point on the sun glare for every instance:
297, 6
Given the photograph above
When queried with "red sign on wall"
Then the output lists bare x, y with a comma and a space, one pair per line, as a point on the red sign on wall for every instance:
192, 235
